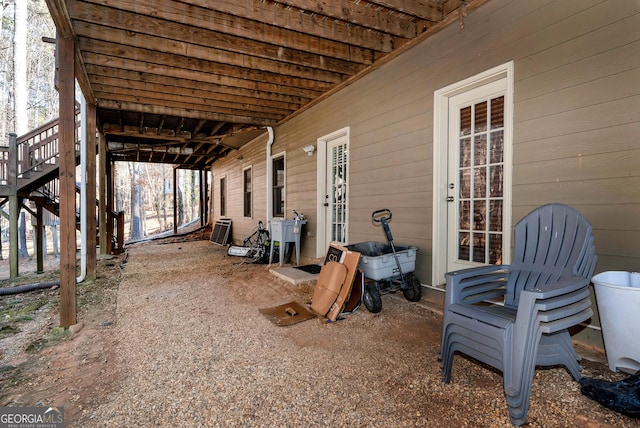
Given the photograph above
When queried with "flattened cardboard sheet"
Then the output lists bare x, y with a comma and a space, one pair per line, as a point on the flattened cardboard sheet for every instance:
287, 314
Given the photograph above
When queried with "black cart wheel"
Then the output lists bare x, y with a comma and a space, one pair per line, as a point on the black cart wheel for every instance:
413, 290
372, 298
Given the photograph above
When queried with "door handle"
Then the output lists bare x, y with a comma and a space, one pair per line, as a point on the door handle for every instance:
450, 199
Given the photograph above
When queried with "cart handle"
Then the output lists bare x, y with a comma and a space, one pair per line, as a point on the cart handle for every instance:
383, 216
380, 215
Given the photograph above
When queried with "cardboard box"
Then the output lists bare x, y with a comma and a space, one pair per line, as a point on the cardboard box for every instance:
335, 281
330, 281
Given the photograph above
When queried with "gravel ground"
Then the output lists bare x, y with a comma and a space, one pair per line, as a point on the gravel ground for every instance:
191, 349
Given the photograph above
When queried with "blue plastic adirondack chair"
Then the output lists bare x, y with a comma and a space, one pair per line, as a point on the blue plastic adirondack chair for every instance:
514, 317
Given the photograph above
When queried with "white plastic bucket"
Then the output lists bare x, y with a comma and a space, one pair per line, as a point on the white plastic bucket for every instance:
618, 298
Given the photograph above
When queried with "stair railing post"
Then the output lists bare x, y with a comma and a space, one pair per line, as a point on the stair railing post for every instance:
14, 206
12, 172
25, 161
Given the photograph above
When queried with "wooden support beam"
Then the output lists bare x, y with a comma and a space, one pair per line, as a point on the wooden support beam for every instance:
90, 160
186, 112
103, 209
40, 242
67, 168
201, 196
110, 197
175, 201
14, 215
14, 206
185, 99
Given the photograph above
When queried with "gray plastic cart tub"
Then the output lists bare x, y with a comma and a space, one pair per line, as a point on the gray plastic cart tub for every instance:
377, 262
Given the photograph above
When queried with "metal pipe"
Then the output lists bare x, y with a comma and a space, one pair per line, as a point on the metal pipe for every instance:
269, 177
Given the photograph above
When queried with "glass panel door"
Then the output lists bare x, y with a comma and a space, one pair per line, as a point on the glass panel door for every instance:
476, 173
337, 190
480, 196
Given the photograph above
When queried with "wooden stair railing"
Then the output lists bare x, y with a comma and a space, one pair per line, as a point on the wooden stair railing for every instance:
47, 198
32, 158
29, 167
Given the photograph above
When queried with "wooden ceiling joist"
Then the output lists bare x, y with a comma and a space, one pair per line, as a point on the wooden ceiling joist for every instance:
282, 15
134, 30
193, 74
141, 80
184, 112
207, 71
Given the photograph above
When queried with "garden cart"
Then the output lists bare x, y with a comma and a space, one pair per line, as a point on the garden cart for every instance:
385, 267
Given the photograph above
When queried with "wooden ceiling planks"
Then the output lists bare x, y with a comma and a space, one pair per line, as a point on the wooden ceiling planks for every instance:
206, 70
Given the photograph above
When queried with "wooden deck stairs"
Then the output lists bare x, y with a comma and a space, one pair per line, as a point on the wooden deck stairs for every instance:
30, 162
29, 169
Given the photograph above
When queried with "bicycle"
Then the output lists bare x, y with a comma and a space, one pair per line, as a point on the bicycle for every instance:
257, 241
255, 247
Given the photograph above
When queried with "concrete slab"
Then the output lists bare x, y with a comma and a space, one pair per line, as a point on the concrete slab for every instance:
293, 275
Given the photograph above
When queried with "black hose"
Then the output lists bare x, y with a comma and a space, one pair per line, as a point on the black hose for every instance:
28, 287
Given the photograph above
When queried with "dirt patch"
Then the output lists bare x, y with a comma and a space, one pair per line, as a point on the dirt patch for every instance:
44, 364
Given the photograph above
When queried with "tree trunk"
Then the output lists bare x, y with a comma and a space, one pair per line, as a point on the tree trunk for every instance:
1, 238
137, 210
194, 196
164, 198
20, 67
180, 206
4, 77
22, 232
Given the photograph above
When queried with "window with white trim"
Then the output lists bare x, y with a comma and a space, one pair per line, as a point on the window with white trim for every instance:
247, 193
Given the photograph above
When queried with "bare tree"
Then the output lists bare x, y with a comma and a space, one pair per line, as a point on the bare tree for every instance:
43, 98
26, 66
20, 67
165, 175
194, 195
155, 184
179, 203
22, 232
6, 51
137, 203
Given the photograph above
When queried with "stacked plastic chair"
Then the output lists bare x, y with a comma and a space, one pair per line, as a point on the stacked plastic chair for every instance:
514, 317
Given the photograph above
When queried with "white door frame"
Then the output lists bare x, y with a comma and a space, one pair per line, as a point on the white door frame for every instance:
321, 179
440, 161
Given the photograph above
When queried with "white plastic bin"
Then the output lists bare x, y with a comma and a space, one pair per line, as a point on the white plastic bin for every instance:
618, 298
